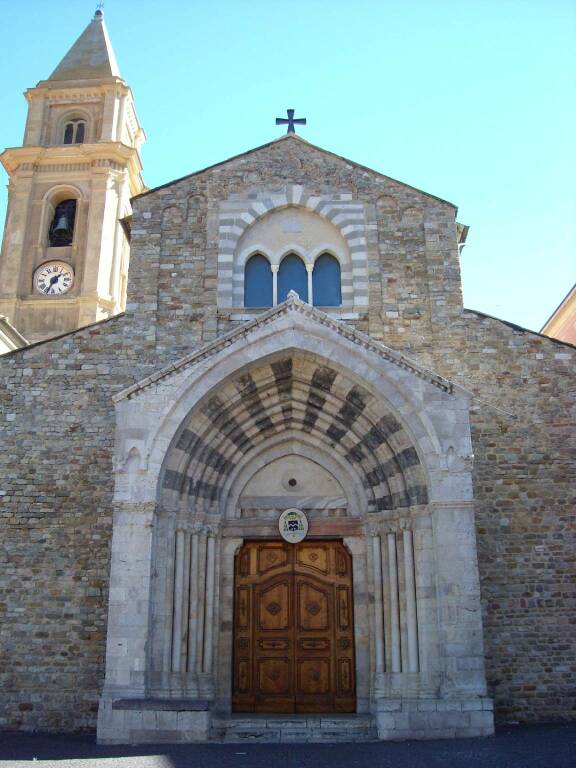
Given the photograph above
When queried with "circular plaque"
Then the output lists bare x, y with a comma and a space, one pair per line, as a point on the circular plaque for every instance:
293, 525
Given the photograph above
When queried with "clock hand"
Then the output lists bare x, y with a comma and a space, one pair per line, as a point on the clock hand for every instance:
54, 279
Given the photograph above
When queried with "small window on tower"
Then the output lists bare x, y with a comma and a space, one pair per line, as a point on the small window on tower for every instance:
62, 227
74, 132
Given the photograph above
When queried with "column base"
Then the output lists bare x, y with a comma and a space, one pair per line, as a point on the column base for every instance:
399, 719
142, 721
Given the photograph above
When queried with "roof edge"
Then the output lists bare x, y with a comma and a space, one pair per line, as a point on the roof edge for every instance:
64, 335
516, 327
294, 137
558, 308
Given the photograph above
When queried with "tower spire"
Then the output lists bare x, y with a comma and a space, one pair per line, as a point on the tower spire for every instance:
91, 57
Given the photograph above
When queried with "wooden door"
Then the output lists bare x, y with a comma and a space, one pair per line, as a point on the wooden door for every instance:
293, 628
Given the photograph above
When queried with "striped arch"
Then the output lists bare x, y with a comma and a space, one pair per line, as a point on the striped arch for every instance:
239, 213
299, 394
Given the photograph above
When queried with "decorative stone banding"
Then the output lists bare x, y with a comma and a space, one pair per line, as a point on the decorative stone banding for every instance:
240, 212
293, 393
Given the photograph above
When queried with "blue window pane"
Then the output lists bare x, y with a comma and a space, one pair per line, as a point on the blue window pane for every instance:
326, 282
292, 277
257, 282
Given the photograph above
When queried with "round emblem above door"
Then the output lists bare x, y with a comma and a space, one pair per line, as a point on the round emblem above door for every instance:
293, 525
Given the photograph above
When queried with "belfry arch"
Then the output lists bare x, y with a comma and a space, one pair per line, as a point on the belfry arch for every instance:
391, 439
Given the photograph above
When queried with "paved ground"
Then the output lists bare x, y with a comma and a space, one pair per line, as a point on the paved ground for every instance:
542, 746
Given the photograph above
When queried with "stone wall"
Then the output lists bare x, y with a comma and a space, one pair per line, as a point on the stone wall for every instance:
524, 436
414, 273
57, 436
57, 425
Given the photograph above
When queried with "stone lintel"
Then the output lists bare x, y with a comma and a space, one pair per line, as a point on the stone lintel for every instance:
319, 527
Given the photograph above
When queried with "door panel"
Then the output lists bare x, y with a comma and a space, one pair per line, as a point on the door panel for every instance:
313, 606
273, 606
315, 557
293, 628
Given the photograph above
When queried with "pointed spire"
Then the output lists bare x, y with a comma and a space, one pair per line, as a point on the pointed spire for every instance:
91, 57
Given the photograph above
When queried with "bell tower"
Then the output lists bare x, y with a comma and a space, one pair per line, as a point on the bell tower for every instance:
64, 259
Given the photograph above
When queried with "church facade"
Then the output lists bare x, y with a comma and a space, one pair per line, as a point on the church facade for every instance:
293, 344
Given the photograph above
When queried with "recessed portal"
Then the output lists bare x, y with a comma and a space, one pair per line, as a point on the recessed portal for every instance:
293, 628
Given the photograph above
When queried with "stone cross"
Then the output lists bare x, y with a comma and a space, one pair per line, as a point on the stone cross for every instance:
290, 121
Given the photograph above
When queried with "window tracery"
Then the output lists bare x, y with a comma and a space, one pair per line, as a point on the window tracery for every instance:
266, 284
74, 131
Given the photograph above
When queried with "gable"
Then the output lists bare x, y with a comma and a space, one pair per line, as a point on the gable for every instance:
291, 150
311, 319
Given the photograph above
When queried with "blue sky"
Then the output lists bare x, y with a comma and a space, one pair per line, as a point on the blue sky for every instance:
471, 101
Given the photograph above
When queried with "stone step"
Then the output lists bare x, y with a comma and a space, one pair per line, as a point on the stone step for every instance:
293, 728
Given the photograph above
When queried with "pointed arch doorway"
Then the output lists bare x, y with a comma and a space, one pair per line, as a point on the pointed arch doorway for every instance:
293, 648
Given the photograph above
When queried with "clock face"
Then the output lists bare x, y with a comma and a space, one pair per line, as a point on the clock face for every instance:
53, 278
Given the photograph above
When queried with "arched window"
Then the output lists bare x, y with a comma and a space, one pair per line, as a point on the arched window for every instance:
292, 277
61, 230
74, 131
257, 282
326, 288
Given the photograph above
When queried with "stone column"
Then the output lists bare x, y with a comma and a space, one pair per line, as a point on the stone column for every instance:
274, 269
177, 619
121, 118
193, 610
115, 287
209, 620
310, 270
394, 612
201, 576
181, 601
411, 616
378, 609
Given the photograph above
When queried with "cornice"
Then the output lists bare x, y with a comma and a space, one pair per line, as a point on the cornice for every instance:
75, 86
293, 305
113, 151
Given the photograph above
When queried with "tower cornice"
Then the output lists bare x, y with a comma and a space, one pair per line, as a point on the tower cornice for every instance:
14, 158
75, 87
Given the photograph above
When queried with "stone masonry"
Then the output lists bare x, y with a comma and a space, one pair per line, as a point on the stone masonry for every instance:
57, 420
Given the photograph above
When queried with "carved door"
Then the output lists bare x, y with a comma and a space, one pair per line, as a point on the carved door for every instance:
293, 628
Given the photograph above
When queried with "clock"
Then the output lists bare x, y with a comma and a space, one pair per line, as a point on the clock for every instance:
53, 278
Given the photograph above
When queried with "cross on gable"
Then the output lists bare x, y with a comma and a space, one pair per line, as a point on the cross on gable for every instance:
291, 121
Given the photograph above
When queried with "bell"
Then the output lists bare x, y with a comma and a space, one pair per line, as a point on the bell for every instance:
61, 232
61, 225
